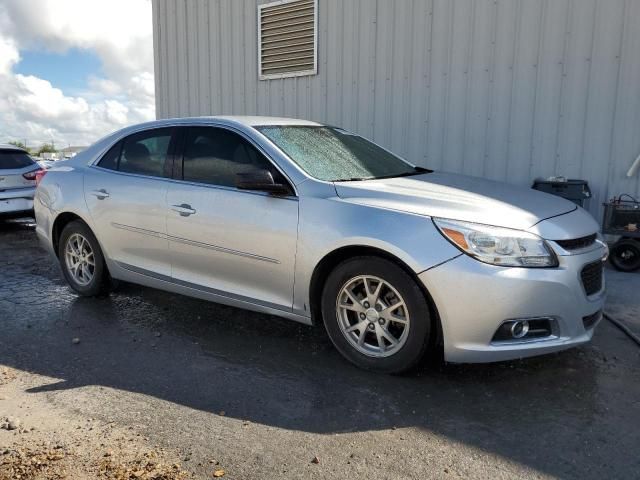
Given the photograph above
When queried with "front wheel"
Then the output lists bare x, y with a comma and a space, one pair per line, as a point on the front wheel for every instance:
376, 315
625, 255
82, 261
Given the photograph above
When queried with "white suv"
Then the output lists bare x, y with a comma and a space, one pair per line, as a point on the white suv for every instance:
18, 173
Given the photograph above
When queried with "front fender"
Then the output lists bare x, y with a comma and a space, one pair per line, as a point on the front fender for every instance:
328, 224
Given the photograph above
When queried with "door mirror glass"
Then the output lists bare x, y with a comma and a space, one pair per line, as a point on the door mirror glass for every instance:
260, 180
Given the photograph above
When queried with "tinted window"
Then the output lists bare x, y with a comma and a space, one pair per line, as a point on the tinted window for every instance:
146, 153
110, 159
215, 156
14, 159
333, 154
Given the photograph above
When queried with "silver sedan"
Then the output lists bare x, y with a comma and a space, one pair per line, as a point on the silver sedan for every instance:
316, 224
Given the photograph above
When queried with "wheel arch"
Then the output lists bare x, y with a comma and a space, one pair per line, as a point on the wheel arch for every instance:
331, 260
61, 221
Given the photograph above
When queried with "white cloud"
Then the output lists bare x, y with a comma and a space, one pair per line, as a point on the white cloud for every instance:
119, 32
103, 87
8, 55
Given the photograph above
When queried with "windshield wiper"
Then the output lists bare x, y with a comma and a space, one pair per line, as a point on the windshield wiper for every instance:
354, 179
416, 171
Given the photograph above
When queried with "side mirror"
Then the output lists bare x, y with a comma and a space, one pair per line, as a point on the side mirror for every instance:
260, 180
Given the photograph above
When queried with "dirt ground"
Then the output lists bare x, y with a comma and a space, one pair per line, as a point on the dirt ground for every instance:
42, 440
145, 384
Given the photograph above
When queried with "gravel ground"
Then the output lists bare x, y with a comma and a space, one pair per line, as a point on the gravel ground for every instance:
146, 384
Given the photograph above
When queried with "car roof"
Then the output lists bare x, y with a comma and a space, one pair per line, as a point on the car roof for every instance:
254, 121
247, 121
8, 146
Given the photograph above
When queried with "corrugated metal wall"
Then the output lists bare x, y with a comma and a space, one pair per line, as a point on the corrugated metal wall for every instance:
507, 89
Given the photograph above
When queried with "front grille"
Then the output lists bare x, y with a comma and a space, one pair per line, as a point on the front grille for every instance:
577, 243
591, 276
590, 320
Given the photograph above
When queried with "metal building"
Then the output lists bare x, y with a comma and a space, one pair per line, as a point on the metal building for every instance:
505, 89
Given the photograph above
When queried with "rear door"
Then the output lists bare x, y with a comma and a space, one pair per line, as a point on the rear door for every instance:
126, 193
236, 243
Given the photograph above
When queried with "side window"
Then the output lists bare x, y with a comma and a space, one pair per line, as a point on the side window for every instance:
215, 156
146, 153
110, 159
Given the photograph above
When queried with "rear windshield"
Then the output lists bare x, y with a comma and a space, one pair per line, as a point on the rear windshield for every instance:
14, 159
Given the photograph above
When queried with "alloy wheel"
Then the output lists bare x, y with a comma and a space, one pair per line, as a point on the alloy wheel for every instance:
372, 316
79, 259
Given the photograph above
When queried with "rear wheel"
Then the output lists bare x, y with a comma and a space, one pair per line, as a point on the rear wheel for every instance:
376, 315
82, 261
625, 255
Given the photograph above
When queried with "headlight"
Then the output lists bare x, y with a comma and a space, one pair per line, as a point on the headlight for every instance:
497, 245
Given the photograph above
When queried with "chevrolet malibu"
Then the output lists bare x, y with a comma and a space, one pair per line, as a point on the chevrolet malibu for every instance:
316, 224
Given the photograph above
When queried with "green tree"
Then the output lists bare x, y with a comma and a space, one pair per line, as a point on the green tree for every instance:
47, 148
18, 144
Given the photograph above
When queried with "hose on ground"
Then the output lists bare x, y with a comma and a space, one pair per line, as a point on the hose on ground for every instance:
624, 328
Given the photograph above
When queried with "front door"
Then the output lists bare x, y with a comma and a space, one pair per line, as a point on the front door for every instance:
126, 193
236, 243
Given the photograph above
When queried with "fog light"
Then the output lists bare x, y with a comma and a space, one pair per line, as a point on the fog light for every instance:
519, 329
526, 330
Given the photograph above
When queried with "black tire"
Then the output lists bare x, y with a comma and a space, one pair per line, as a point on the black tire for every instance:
420, 331
100, 283
625, 255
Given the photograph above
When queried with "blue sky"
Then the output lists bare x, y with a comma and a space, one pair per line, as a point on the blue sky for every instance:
66, 74
67, 71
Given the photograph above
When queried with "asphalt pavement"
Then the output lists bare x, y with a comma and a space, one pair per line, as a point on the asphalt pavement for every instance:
266, 396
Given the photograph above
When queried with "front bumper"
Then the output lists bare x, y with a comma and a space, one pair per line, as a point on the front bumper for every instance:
473, 299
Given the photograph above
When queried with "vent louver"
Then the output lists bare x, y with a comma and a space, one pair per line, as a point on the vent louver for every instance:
287, 38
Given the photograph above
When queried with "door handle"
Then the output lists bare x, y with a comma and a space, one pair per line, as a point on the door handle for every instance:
101, 194
184, 210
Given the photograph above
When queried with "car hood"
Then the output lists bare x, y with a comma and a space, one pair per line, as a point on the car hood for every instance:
457, 197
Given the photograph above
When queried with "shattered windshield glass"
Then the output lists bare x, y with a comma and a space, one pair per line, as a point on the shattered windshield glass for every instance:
335, 155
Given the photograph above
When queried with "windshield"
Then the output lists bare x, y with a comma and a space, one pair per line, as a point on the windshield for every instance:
10, 159
335, 155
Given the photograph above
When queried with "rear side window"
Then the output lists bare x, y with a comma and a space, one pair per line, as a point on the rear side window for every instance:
144, 153
10, 159
110, 159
